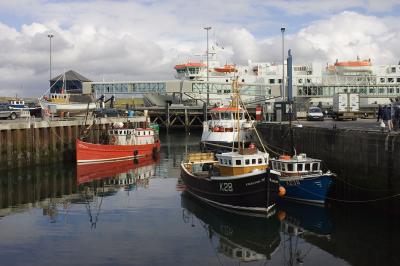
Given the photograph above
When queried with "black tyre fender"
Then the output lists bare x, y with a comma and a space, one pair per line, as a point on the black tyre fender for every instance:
13, 116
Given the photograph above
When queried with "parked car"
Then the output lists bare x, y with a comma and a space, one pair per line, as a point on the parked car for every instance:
315, 113
7, 112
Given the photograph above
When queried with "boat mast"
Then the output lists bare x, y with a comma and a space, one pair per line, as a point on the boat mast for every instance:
289, 100
236, 104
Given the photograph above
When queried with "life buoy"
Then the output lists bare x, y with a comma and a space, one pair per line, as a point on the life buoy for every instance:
113, 139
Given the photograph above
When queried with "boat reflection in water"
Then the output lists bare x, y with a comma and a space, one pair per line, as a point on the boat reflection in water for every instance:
300, 224
99, 180
240, 237
127, 173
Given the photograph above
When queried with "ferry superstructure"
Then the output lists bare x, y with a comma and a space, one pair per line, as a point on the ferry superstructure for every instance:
313, 83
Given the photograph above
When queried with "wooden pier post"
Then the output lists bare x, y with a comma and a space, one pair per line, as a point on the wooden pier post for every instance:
186, 120
168, 118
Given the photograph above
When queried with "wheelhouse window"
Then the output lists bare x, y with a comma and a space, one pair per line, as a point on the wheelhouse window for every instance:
290, 167
307, 167
300, 167
253, 161
315, 167
226, 116
259, 160
238, 162
247, 161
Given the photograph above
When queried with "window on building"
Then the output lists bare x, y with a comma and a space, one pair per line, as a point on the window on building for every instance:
271, 81
382, 80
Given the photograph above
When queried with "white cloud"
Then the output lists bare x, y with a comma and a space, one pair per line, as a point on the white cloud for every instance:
127, 40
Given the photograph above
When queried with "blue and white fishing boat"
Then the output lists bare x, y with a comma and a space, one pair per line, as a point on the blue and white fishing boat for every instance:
303, 178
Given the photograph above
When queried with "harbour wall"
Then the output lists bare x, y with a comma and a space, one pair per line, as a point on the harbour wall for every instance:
28, 143
367, 163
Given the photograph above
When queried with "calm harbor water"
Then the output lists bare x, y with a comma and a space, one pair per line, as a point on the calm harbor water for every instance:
136, 214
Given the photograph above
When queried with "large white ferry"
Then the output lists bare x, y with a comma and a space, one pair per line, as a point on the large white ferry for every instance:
313, 83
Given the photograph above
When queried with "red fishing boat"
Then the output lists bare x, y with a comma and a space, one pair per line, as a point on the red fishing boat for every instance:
123, 143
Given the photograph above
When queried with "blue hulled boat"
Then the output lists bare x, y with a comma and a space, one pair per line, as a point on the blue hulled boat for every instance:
303, 178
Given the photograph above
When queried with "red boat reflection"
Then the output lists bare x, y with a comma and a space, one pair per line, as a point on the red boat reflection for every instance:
98, 171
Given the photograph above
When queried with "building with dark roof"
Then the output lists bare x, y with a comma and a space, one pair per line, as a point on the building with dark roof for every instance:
73, 82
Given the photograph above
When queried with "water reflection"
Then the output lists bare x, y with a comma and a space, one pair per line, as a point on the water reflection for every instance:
239, 237
97, 181
299, 223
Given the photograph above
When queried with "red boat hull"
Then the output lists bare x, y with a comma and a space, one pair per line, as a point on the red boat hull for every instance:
97, 153
95, 171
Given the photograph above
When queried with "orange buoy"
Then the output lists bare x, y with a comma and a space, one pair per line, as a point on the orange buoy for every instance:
216, 129
282, 191
252, 146
281, 215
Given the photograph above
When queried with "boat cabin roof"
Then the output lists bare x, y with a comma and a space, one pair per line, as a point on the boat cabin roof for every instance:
294, 165
235, 159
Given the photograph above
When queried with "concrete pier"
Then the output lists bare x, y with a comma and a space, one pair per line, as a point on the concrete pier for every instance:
30, 142
367, 162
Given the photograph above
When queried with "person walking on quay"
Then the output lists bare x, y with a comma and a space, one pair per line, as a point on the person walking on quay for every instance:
387, 117
380, 113
396, 114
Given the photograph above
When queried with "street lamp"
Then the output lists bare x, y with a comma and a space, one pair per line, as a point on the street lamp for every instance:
283, 64
208, 90
50, 36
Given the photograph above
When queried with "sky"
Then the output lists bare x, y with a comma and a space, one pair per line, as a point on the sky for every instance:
144, 39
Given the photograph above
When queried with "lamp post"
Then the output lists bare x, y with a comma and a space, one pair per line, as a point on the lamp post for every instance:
208, 90
283, 64
50, 36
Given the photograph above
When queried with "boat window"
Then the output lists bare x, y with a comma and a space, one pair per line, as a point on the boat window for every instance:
315, 166
253, 161
300, 167
226, 116
290, 167
247, 161
230, 162
225, 162
220, 161
259, 160
307, 167
238, 162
